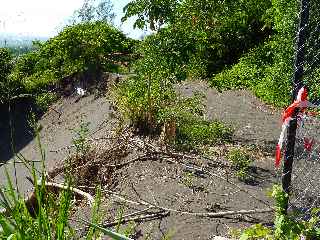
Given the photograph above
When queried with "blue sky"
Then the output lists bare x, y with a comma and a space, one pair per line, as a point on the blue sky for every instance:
46, 17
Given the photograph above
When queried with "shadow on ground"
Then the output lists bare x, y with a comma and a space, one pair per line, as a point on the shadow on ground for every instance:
14, 122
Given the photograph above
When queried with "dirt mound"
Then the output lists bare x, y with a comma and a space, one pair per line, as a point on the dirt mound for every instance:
253, 120
58, 128
162, 192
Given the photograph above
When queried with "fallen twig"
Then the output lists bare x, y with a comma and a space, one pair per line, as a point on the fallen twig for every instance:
151, 216
220, 177
198, 214
13, 162
31, 201
59, 186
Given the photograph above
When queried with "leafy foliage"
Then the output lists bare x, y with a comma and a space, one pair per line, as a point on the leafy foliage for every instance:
285, 228
80, 140
236, 44
8, 88
80, 49
174, 52
141, 99
150, 12
80, 52
44, 100
267, 68
94, 10
202, 37
5, 63
241, 161
152, 102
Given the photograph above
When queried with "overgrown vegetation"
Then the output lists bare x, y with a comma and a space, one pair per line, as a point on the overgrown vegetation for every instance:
284, 226
233, 44
46, 213
5, 68
80, 52
238, 44
240, 161
80, 140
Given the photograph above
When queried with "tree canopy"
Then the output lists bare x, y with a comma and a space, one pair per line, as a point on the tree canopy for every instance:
94, 10
234, 44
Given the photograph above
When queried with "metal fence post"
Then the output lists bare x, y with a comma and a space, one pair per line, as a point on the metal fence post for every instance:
297, 84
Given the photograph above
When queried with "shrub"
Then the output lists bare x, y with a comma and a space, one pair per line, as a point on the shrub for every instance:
150, 104
140, 100
267, 68
7, 87
240, 161
80, 139
284, 226
193, 133
44, 100
82, 49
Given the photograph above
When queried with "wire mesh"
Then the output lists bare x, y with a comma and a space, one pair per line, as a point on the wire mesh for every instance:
305, 178
306, 171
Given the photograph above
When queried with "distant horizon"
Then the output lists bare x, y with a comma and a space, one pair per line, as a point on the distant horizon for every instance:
45, 18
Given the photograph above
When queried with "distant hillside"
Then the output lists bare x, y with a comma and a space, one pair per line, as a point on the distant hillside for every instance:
18, 43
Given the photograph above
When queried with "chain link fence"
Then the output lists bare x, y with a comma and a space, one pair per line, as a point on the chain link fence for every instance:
301, 172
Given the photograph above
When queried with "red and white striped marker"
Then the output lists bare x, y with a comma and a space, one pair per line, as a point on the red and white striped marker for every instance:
302, 103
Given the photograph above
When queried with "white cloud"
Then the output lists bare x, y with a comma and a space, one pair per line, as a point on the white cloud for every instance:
36, 17
45, 17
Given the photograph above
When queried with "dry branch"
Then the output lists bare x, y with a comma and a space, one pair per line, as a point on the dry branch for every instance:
151, 216
31, 201
137, 212
198, 214
51, 186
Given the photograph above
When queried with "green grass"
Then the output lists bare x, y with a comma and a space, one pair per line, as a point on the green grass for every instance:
48, 216
193, 133
240, 161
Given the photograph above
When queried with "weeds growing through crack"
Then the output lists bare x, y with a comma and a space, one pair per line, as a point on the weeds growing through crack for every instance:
241, 161
188, 179
80, 139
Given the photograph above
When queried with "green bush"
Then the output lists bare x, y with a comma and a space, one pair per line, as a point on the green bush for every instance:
82, 49
285, 228
140, 100
7, 88
267, 69
241, 162
44, 100
80, 140
151, 103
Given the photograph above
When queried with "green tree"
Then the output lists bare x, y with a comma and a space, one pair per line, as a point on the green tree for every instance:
235, 44
6, 87
267, 68
152, 13
83, 50
94, 10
